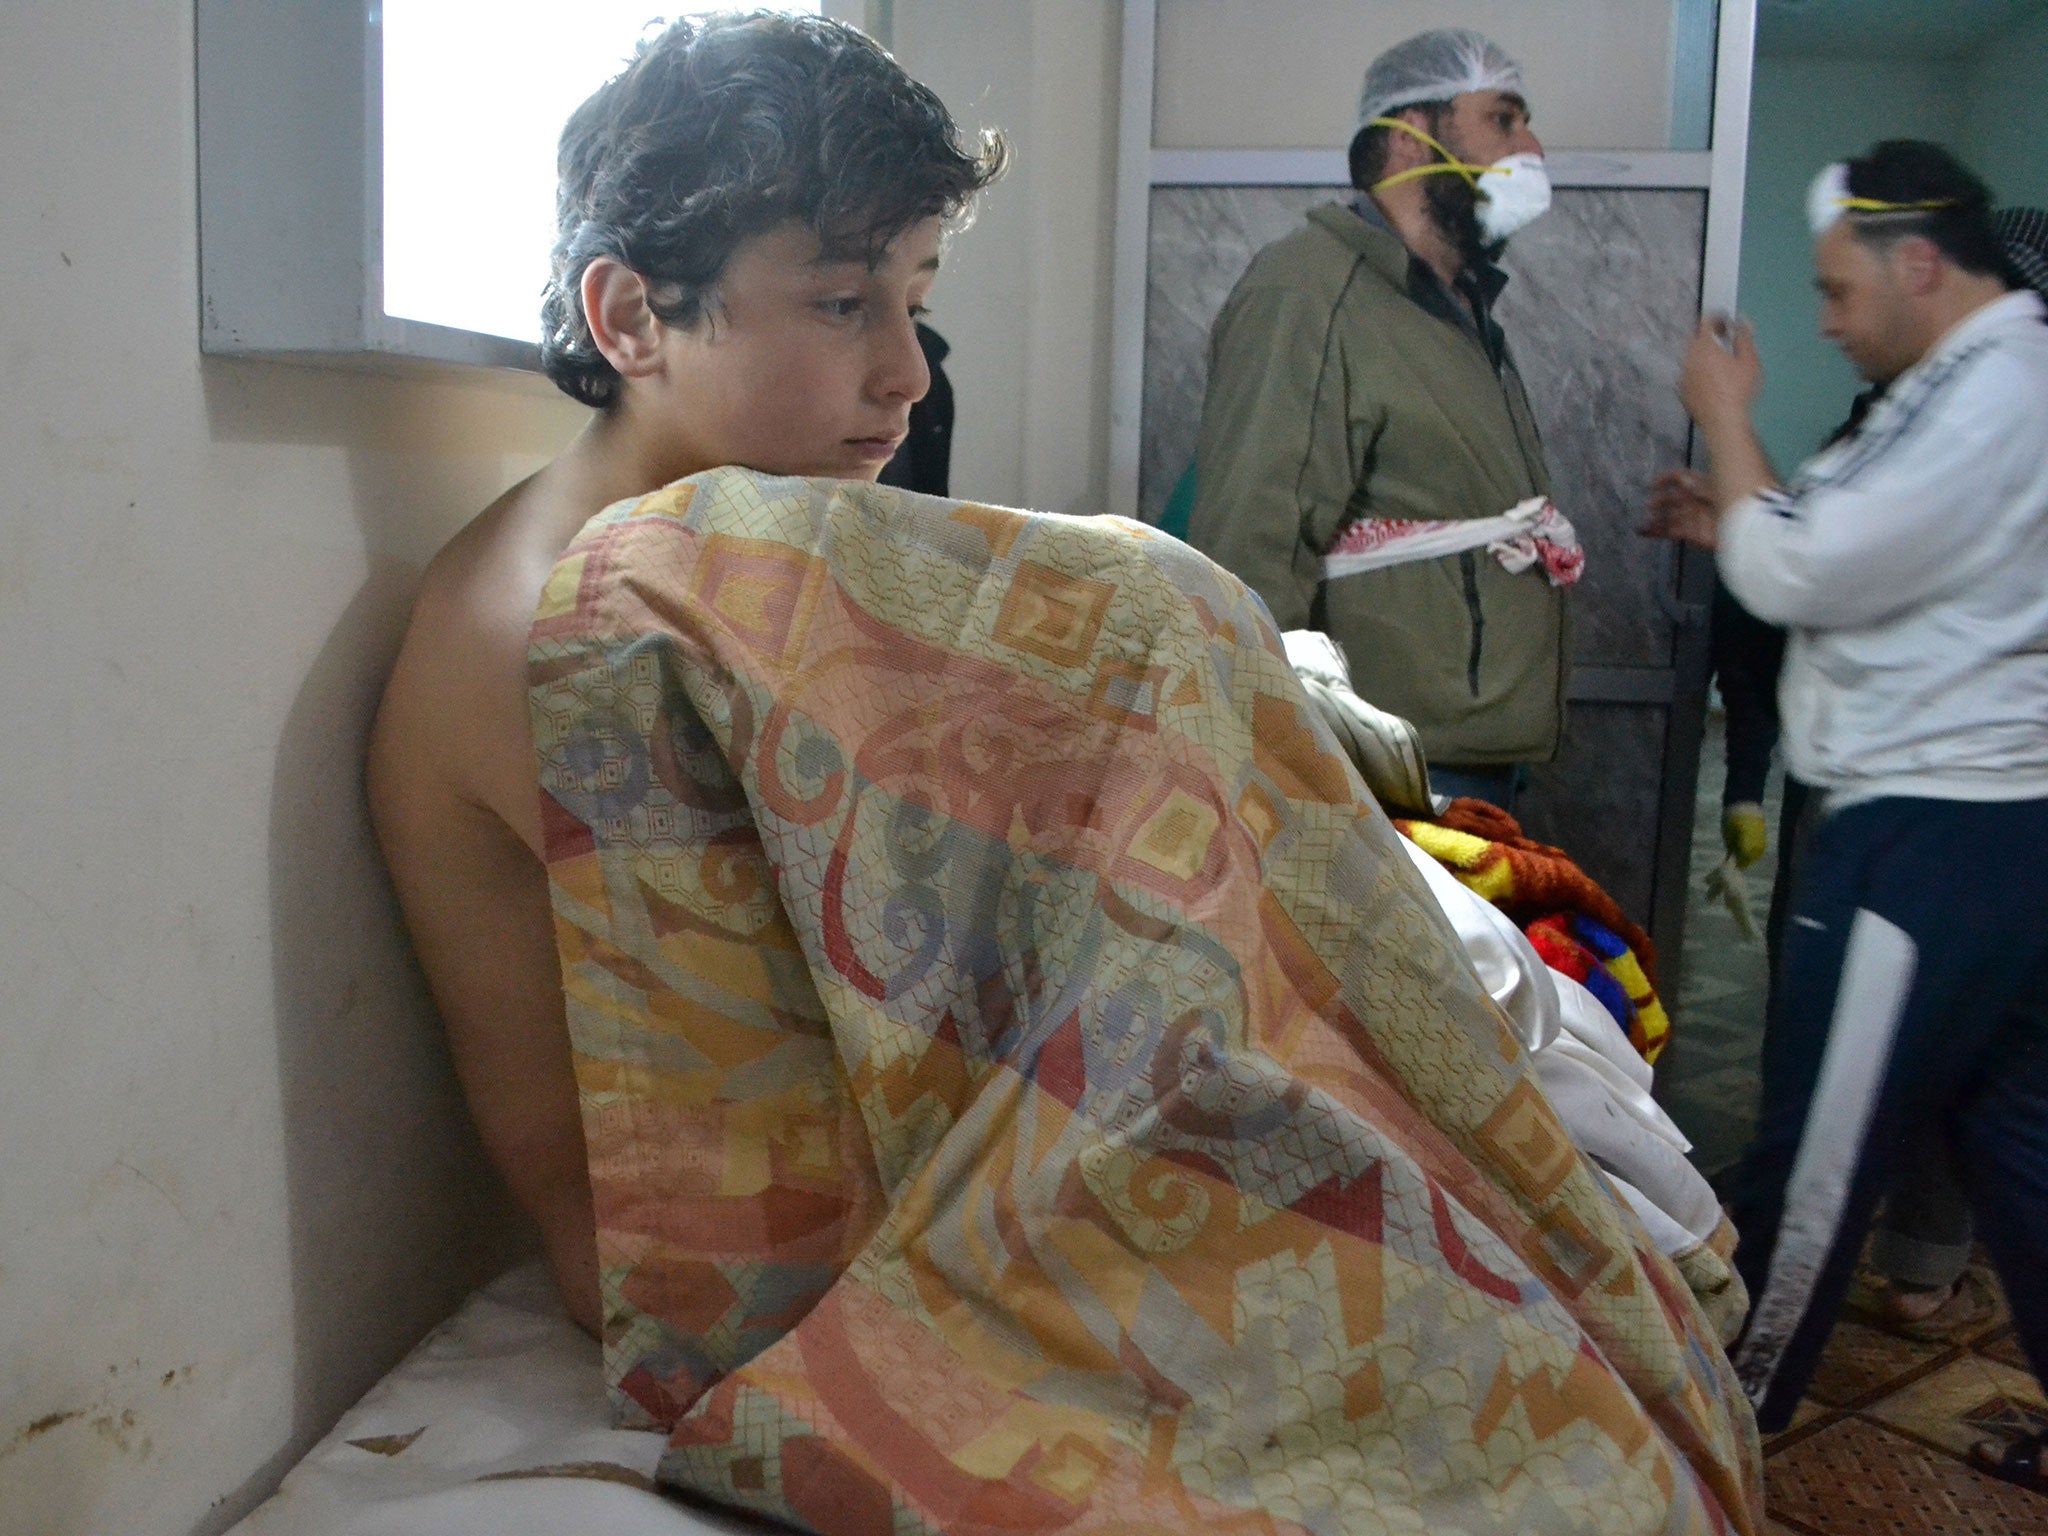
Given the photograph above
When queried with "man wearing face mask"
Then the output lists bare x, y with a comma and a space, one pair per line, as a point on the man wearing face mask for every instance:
1368, 462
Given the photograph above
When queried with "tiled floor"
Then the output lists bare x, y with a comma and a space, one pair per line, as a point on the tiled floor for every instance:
1879, 1447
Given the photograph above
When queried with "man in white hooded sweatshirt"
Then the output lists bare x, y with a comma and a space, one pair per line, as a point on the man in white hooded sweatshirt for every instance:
1909, 562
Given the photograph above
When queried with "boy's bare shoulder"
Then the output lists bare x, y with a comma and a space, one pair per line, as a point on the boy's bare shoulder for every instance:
478, 595
452, 728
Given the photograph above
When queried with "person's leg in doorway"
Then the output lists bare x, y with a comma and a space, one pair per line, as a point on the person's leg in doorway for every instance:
2003, 1140
1900, 961
1922, 1243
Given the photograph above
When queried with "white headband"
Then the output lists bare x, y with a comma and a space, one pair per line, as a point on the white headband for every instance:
1828, 198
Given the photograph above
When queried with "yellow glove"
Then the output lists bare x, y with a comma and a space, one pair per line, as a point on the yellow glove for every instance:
1744, 833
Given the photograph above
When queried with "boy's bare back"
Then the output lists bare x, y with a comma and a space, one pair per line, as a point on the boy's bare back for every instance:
452, 793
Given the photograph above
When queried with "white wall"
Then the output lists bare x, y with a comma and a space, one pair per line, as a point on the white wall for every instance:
1284, 74
235, 1178
2006, 91
1805, 112
1024, 295
1810, 109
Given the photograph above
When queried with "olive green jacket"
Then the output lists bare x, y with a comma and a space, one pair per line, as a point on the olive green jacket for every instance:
1334, 395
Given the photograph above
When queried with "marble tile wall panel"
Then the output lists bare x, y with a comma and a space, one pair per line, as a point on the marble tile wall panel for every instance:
1599, 799
1202, 239
1602, 300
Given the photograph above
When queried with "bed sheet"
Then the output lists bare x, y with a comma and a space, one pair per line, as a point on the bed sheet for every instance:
496, 1425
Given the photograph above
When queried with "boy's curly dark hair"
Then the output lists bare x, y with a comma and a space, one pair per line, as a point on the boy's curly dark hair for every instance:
718, 131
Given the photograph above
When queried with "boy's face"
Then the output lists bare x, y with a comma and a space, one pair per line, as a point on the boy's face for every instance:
805, 366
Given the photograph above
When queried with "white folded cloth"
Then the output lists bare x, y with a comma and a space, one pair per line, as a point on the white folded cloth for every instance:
1593, 1077
1528, 532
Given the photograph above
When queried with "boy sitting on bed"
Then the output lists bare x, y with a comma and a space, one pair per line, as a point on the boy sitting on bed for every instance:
1013, 1050
751, 218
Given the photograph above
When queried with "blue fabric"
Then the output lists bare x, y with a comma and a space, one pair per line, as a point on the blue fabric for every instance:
1598, 937
1609, 994
1606, 944
1968, 884
1496, 786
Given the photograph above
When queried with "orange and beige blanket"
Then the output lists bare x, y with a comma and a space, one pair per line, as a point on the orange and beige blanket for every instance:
1027, 1087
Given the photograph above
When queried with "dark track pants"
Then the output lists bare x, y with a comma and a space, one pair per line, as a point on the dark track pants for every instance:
1923, 1235
1913, 999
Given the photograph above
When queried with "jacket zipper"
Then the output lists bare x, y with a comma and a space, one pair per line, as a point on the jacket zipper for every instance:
1468, 562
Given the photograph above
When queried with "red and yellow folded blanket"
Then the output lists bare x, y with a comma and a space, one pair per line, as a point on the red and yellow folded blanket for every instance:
1575, 925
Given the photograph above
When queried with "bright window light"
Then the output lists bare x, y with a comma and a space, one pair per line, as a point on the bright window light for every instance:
475, 96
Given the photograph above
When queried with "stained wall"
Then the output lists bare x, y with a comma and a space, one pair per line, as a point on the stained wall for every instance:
236, 1178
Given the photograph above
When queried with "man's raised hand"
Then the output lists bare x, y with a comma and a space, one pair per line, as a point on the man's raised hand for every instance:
1721, 375
1682, 508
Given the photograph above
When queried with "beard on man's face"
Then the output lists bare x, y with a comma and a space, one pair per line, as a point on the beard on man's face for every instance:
1454, 209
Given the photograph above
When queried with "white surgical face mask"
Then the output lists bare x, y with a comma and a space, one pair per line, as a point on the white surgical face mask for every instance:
1513, 194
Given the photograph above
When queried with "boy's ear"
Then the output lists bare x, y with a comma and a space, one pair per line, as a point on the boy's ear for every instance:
622, 324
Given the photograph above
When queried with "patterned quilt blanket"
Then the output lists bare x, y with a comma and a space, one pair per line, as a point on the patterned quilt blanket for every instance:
1028, 1089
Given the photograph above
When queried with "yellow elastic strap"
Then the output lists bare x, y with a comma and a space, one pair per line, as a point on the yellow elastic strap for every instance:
1449, 163
1876, 205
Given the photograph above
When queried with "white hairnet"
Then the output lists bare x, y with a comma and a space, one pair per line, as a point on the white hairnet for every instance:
1435, 66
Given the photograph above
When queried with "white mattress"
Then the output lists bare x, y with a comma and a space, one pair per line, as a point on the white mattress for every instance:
495, 1426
